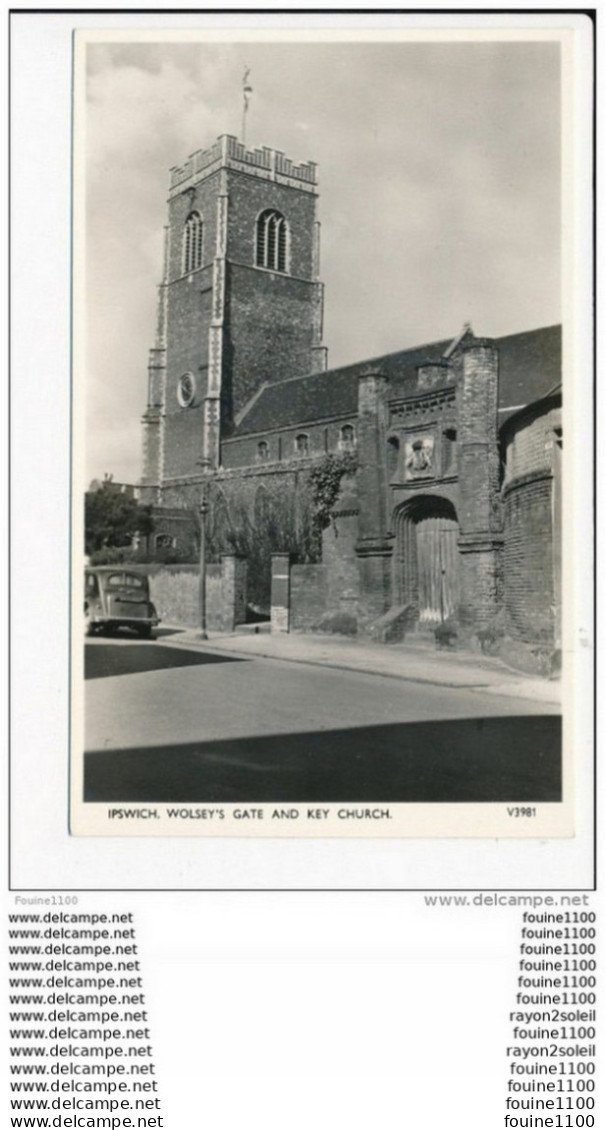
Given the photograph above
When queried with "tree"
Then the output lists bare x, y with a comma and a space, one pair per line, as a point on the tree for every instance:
112, 519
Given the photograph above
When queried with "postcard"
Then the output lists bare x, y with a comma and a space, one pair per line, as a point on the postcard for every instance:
320, 567
325, 440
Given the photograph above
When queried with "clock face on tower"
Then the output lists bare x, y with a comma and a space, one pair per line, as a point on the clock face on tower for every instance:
185, 391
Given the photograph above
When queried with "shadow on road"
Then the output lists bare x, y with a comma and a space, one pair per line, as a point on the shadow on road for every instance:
505, 760
102, 661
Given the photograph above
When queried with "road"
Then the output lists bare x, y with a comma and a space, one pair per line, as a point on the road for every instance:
164, 723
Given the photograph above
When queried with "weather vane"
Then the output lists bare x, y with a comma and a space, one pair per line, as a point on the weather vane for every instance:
246, 91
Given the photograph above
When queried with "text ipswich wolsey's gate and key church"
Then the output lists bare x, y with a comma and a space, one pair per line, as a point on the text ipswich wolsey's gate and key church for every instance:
450, 505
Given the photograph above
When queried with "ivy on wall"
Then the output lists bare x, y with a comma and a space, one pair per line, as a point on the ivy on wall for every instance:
325, 479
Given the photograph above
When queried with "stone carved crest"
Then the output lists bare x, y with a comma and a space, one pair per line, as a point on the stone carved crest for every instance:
419, 451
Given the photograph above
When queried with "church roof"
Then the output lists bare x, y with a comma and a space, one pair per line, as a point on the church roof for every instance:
530, 364
530, 367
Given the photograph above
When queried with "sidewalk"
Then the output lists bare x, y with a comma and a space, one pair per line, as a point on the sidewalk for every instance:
414, 661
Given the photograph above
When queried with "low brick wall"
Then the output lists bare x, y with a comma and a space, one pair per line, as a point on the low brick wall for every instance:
308, 596
175, 591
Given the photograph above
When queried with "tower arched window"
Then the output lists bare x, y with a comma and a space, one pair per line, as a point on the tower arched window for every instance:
272, 241
192, 242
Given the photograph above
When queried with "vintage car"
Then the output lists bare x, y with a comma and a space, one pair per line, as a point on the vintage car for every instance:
115, 597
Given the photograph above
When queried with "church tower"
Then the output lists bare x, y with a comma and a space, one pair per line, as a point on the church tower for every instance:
240, 303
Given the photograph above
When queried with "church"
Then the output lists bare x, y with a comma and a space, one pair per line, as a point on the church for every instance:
447, 456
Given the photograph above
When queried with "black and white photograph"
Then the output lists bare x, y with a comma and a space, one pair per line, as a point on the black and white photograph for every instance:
321, 333
301, 782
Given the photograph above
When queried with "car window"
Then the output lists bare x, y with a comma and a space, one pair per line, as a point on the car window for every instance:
124, 580
92, 585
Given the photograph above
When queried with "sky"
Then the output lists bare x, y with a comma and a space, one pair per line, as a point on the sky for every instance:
439, 192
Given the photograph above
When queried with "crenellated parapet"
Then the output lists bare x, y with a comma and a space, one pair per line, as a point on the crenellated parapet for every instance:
229, 153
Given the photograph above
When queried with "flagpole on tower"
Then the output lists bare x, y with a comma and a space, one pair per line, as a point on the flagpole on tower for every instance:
246, 91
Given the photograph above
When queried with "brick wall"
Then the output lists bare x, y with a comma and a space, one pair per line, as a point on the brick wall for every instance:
477, 401
373, 545
480, 586
270, 316
372, 446
338, 553
479, 512
248, 197
189, 302
189, 315
183, 438
270, 329
528, 558
178, 524
243, 452
204, 201
308, 596
175, 593
529, 447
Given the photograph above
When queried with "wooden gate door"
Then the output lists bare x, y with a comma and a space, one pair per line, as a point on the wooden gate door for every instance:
437, 568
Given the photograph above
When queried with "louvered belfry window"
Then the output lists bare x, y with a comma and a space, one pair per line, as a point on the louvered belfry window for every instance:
192, 247
272, 241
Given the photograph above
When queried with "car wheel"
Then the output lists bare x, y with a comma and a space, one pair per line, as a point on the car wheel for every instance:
145, 631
